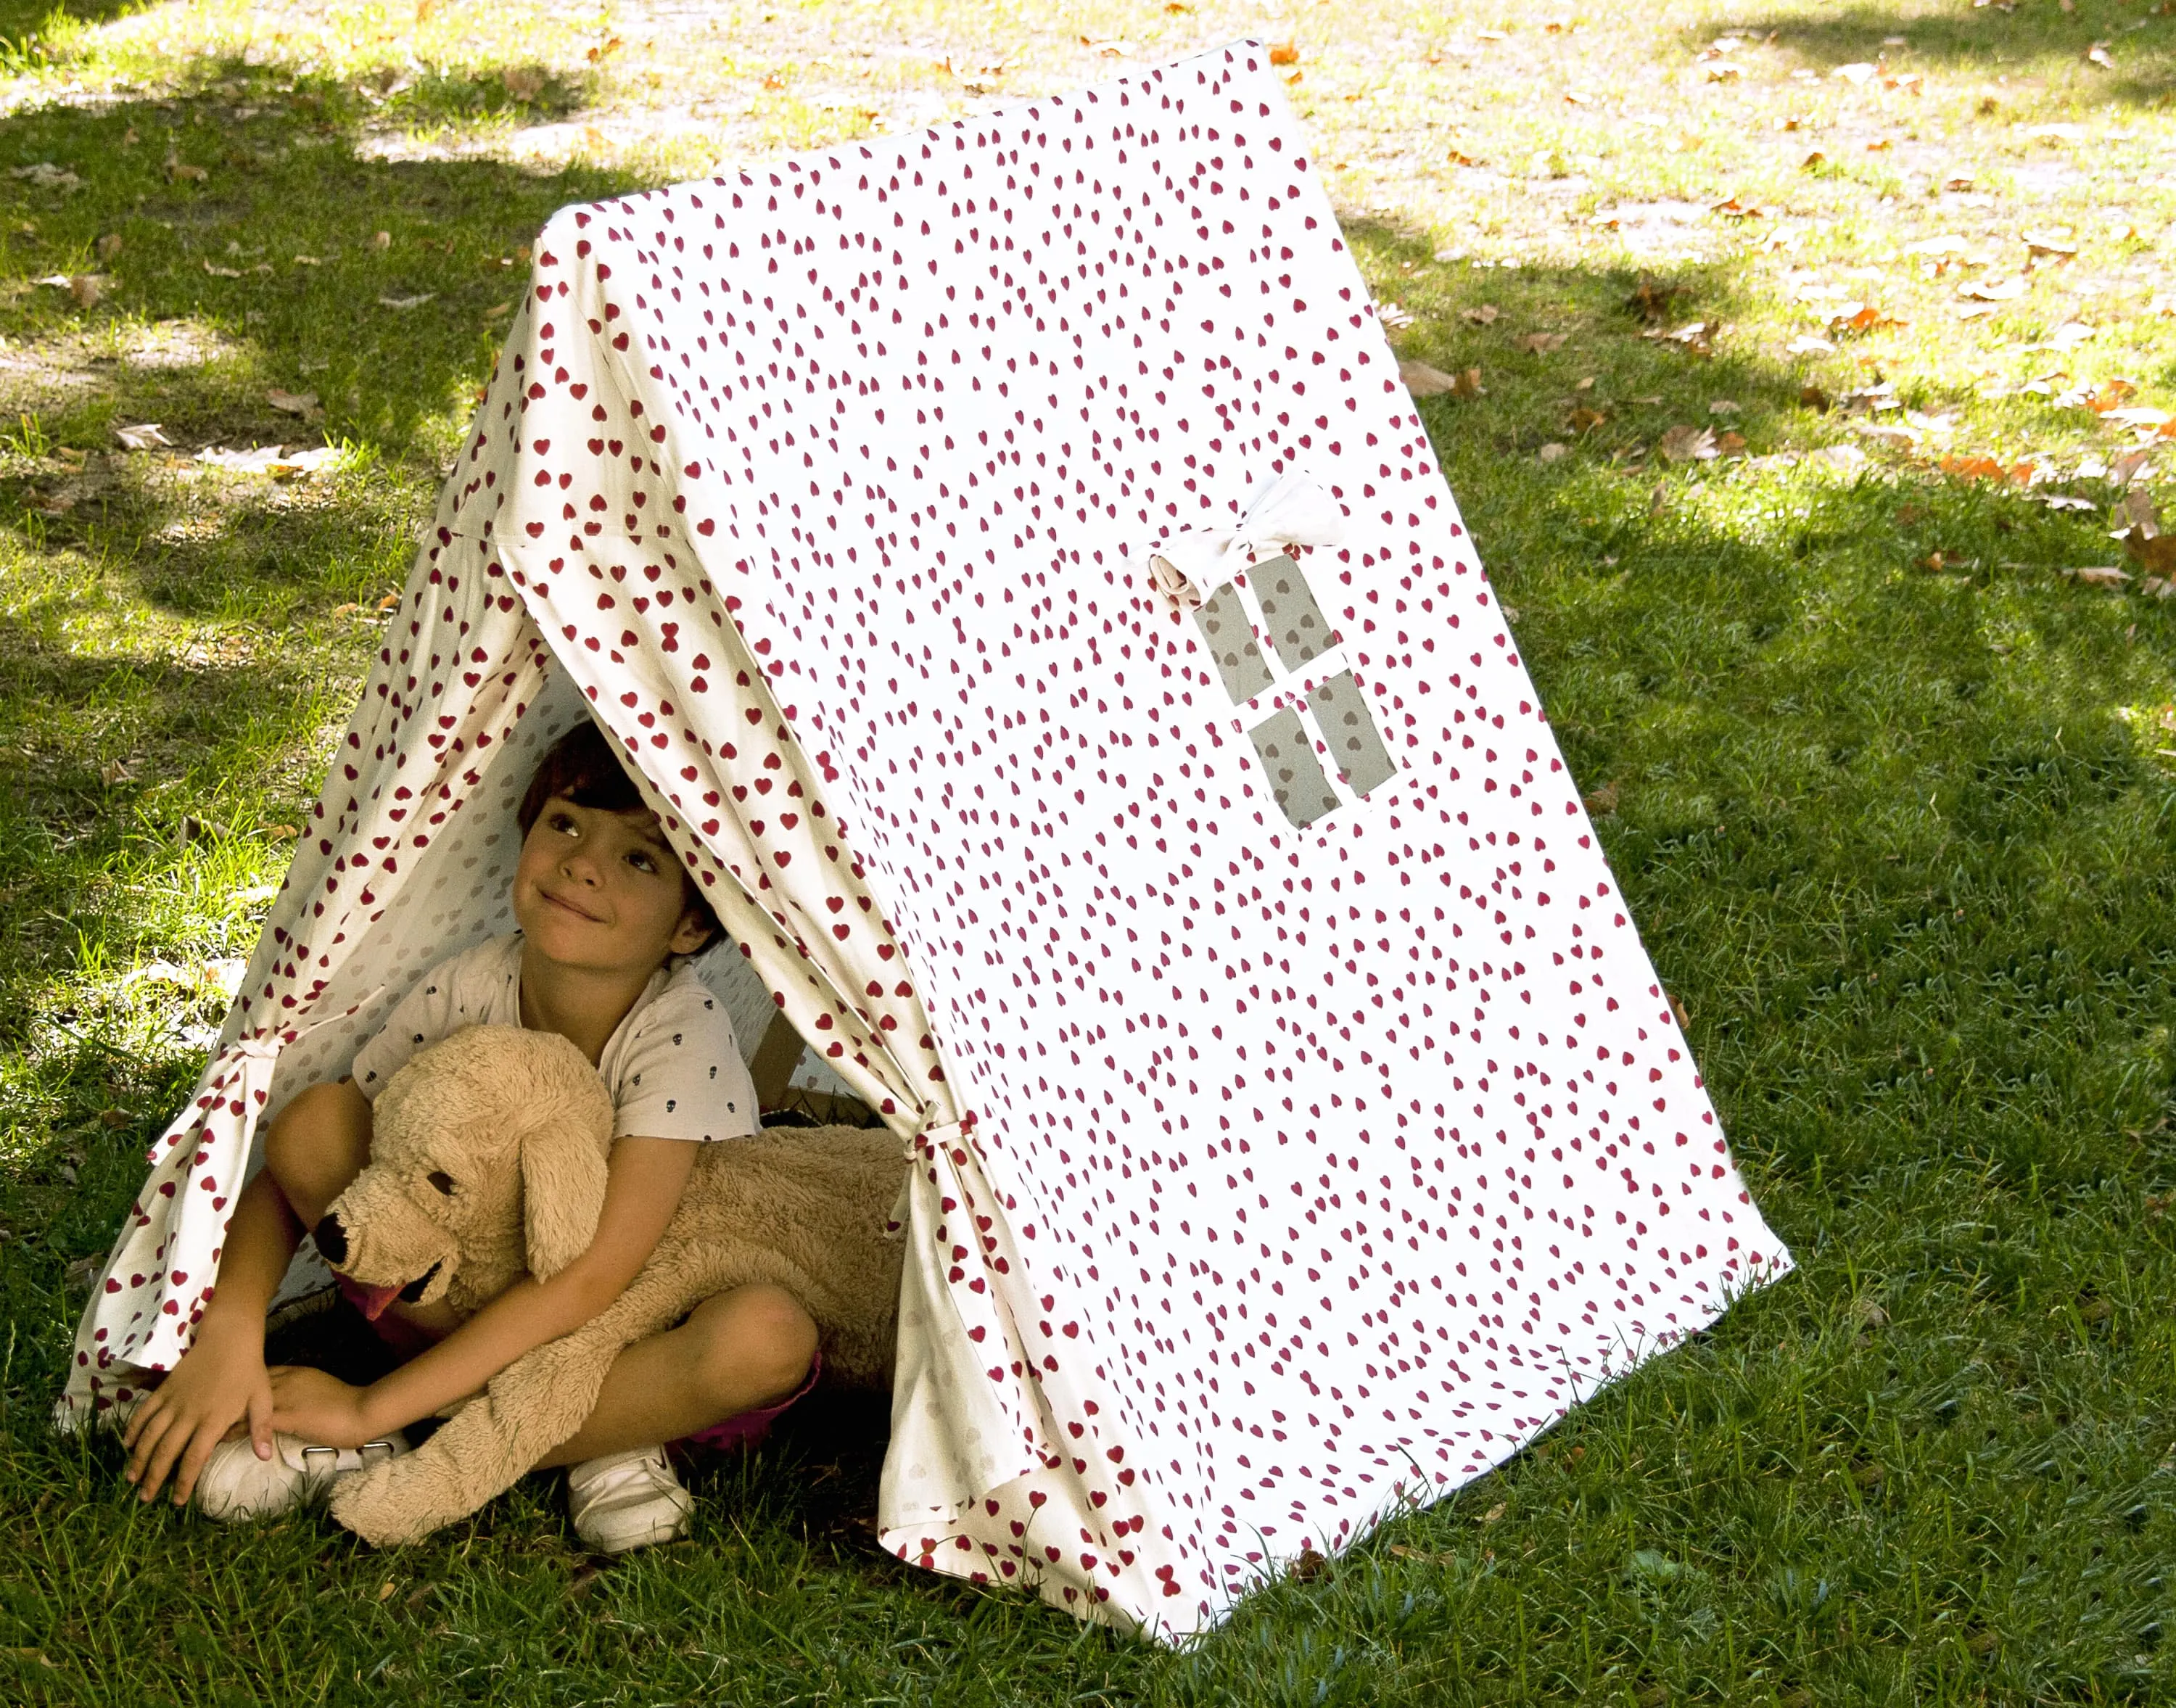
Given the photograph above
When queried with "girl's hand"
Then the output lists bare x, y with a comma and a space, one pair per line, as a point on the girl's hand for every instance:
321, 1409
219, 1387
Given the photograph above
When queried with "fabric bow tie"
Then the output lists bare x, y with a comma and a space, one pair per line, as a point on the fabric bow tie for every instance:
1290, 509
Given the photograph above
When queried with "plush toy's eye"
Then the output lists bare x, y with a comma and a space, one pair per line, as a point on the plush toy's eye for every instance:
443, 1181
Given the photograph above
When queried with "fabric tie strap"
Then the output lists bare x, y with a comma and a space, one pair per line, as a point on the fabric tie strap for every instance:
1291, 509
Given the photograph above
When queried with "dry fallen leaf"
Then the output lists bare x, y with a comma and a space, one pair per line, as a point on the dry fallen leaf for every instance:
1425, 381
1285, 52
1539, 343
404, 303
1857, 73
2049, 243
1485, 315
109, 245
1994, 289
523, 82
1467, 384
1813, 157
1860, 316
1496, 1512
144, 436
1686, 445
2098, 54
1805, 344
1422, 1555
1585, 421
178, 171
2099, 575
1814, 398
300, 403
1604, 800
1553, 452
381, 239
221, 272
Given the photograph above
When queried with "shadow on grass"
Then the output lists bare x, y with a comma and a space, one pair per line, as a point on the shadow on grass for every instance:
1891, 847
2022, 41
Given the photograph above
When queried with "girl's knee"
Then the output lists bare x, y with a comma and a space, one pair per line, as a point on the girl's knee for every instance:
318, 1145
760, 1337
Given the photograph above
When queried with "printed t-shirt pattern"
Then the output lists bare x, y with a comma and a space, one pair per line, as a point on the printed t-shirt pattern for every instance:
672, 1065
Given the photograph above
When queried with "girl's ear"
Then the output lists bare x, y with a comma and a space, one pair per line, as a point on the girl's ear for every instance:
692, 932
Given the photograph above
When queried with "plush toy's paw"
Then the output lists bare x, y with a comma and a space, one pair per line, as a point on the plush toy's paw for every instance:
392, 1504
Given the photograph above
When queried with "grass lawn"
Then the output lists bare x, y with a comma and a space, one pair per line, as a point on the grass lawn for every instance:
1804, 352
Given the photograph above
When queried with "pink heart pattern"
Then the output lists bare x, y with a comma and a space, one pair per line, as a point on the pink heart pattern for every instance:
1298, 1124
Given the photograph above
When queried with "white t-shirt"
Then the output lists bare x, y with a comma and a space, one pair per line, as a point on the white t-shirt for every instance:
673, 1066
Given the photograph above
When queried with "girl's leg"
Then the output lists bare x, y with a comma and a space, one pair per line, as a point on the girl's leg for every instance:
318, 1145
739, 1351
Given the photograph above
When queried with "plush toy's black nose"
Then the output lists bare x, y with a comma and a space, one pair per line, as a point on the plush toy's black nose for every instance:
332, 1241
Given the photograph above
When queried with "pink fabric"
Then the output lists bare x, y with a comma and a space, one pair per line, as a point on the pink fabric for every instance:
401, 1337
747, 1429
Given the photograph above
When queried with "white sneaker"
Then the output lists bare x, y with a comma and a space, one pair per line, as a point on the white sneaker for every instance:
627, 1500
237, 1486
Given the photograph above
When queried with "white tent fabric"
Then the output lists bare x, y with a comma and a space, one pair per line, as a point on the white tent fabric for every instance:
1298, 1124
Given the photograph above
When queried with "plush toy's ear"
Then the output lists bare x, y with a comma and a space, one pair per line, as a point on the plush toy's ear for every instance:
563, 1162
563, 1193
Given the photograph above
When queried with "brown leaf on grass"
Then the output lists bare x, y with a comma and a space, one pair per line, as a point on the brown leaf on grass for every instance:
523, 82
424, 8
1857, 73
381, 240
2098, 54
499, 311
1285, 52
281, 833
1553, 452
1688, 444
1179, 7
222, 272
1496, 1512
2049, 243
109, 245
1486, 315
1604, 800
144, 436
1539, 343
1695, 337
1731, 444
1585, 421
1861, 317
1994, 289
2099, 575
1425, 381
1456, 159
1814, 398
1813, 157
1422, 1555
113, 1120
1879, 145
1309, 1566
1725, 74
301, 403
1650, 298
2141, 534
179, 170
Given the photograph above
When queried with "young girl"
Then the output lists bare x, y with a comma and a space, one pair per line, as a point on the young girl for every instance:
606, 910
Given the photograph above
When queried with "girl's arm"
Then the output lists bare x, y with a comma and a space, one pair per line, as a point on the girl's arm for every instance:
644, 1183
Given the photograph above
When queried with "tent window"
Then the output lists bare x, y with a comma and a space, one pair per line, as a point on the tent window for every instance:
1295, 774
1298, 628
1356, 745
1230, 638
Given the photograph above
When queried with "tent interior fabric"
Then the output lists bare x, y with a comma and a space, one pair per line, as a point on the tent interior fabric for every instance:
1295, 1124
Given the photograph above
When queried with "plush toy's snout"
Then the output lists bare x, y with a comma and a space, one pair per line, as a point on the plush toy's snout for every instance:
458, 1201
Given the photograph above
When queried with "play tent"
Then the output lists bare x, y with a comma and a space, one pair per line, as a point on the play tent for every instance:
1009, 557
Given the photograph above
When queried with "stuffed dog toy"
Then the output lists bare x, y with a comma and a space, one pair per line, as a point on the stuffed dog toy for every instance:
487, 1163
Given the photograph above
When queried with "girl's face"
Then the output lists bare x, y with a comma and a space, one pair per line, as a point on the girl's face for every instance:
602, 890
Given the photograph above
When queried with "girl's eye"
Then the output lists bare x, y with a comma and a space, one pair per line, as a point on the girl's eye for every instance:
644, 862
564, 822
442, 1181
